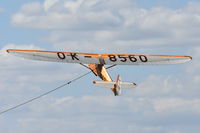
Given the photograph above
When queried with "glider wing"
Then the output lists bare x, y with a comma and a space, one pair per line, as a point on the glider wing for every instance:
104, 59
56, 56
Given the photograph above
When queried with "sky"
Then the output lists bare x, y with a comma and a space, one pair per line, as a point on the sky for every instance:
166, 99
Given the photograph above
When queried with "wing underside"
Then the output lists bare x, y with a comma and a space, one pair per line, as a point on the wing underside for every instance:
104, 59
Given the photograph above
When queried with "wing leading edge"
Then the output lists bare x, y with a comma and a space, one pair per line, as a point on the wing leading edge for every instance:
104, 59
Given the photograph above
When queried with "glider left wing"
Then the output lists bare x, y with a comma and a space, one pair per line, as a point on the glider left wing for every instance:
103, 59
55, 56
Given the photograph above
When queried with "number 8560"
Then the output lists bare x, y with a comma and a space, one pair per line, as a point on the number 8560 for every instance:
131, 58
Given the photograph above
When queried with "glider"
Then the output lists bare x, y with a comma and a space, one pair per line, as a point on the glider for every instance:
96, 63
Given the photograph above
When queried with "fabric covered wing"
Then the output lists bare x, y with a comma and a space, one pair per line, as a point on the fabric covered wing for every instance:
104, 59
55, 56
122, 59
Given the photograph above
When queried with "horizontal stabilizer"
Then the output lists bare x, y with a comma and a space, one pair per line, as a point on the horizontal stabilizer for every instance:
106, 84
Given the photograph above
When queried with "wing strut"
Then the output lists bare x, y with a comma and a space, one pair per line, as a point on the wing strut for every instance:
101, 71
111, 66
106, 67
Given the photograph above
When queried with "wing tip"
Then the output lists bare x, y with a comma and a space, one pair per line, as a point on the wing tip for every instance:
135, 85
189, 58
8, 50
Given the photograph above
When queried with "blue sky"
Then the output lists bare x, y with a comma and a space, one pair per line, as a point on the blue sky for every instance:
166, 99
167, 3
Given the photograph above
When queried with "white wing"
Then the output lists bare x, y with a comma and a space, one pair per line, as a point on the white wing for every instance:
121, 59
54, 56
104, 59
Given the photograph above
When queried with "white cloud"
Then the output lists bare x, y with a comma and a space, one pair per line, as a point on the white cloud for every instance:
90, 112
160, 22
176, 105
24, 78
73, 6
194, 67
158, 86
33, 8
84, 25
49, 3
193, 7
54, 19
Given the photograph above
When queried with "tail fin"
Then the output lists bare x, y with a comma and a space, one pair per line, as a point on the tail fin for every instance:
117, 86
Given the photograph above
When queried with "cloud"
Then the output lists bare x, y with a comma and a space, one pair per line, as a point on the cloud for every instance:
51, 18
49, 3
182, 83
130, 114
122, 16
193, 68
33, 8
100, 25
22, 79
85, 104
